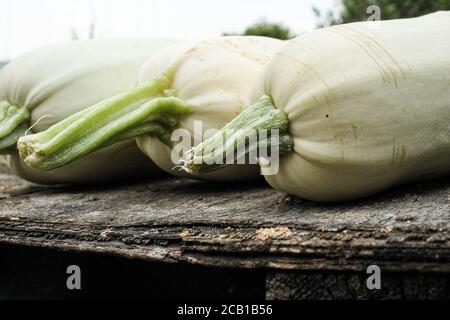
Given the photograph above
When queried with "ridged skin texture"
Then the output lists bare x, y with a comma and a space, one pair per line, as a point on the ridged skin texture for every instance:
368, 108
57, 81
215, 77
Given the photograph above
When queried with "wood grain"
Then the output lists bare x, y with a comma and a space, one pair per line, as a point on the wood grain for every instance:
232, 225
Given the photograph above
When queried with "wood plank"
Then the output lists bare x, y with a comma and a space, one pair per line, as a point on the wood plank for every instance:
244, 225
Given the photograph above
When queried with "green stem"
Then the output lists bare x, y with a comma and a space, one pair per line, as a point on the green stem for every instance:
13, 123
256, 132
150, 109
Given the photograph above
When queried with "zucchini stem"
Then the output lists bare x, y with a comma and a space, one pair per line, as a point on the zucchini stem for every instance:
260, 131
150, 109
13, 123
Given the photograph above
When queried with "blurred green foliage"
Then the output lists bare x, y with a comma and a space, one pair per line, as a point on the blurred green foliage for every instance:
356, 10
267, 29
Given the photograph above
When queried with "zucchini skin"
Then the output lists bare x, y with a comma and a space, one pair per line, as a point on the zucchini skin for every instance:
368, 108
57, 81
214, 77
120, 162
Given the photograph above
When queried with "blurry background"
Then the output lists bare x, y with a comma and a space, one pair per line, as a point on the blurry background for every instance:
27, 24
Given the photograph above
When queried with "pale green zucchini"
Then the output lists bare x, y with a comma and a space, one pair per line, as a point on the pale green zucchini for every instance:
46, 85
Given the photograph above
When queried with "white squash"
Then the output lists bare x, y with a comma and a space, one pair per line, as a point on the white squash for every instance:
214, 77
206, 81
360, 108
46, 85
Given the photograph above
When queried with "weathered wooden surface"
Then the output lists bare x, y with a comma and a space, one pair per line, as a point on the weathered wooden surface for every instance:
245, 226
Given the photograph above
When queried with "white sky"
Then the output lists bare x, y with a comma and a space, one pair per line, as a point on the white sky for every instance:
27, 24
